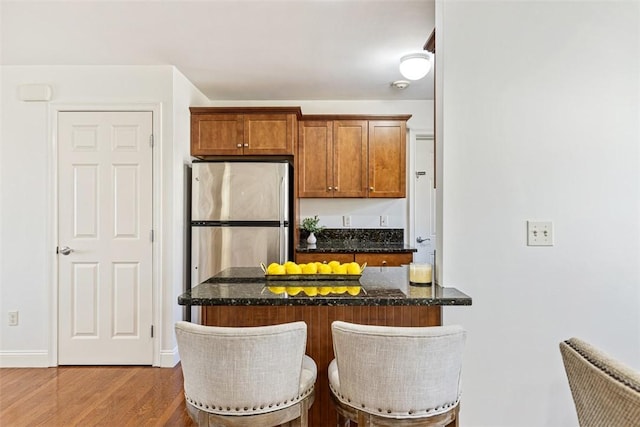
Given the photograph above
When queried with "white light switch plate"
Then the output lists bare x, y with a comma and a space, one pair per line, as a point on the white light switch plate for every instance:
539, 233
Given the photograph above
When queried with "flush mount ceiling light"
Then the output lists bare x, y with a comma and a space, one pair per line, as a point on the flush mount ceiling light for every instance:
415, 66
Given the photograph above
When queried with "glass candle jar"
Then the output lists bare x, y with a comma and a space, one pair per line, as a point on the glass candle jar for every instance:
420, 274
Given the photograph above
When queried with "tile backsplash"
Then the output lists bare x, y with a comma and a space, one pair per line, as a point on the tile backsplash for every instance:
382, 235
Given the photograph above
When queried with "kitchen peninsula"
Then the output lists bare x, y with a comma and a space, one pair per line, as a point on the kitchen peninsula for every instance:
241, 296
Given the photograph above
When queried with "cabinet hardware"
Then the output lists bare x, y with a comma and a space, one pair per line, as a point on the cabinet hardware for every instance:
370, 188
239, 145
329, 188
335, 188
246, 145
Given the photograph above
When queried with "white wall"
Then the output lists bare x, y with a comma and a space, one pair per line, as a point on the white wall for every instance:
27, 244
364, 213
540, 120
185, 95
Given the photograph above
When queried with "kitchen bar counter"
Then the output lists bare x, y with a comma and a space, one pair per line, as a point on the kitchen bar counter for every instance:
239, 297
381, 286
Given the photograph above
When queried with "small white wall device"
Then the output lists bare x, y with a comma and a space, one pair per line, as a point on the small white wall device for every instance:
34, 92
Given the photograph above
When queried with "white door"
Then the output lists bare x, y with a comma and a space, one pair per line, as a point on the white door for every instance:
424, 207
105, 219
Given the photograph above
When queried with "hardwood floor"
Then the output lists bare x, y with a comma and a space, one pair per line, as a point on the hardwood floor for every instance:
92, 396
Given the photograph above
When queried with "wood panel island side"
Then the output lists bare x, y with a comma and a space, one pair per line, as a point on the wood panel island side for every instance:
240, 296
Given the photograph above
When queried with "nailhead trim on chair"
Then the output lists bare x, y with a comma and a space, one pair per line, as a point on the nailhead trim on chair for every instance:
602, 367
412, 412
208, 407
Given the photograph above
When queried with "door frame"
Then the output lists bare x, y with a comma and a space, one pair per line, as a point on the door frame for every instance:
52, 221
414, 134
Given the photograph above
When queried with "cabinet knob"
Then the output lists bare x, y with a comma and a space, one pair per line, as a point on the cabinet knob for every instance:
329, 188
370, 188
384, 262
246, 145
239, 145
335, 188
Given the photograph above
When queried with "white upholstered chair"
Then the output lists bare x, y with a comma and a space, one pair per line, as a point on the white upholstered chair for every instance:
400, 376
605, 392
253, 376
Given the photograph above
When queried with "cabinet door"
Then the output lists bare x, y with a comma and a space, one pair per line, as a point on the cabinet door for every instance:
216, 134
350, 158
385, 259
387, 158
306, 257
315, 159
269, 133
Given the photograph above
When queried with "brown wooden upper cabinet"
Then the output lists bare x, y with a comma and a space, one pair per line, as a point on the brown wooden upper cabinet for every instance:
255, 131
352, 156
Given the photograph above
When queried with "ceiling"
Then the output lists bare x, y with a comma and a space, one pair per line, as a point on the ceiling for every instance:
232, 49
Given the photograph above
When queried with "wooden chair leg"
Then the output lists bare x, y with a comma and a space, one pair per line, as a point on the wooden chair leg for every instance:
343, 421
364, 419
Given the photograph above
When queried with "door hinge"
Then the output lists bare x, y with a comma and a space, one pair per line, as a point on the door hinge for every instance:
151, 331
151, 235
151, 140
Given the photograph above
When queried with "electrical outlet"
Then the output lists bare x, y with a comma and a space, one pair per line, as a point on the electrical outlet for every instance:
346, 221
384, 220
539, 233
13, 318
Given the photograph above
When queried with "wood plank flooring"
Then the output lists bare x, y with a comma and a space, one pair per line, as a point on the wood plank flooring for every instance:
92, 396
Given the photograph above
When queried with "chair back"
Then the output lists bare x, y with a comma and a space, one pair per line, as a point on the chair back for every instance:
247, 370
399, 371
605, 392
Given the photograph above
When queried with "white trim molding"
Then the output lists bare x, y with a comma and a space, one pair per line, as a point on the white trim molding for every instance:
52, 234
169, 358
24, 359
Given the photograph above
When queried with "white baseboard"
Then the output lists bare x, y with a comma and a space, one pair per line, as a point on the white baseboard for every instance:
24, 359
169, 358
40, 359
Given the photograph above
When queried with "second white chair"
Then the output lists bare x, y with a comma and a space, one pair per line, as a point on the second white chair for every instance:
400, 376
254, 376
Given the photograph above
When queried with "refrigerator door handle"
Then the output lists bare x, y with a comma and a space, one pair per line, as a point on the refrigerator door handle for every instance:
281, 236
282, 244
281, 197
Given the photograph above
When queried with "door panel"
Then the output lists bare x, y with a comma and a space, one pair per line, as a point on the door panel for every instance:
425, 197
315, 159
228, 191
350, 158
387, 158
217, 248
105, 217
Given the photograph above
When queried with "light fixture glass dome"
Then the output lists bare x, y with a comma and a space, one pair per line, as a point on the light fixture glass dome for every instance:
415, 66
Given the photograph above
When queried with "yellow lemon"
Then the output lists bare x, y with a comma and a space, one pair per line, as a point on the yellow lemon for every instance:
339, 269
340, 289
318, 264
275, 268
294, 290
333, 264
353, 268
324, 290
293, 269
277, 289
324, 269
353, 290
311, 291
309, 268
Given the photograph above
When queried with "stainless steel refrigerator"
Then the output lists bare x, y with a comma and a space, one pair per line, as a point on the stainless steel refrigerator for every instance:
240, 213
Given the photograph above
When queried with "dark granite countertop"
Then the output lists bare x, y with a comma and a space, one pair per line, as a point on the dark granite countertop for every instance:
380, 286
355, 246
